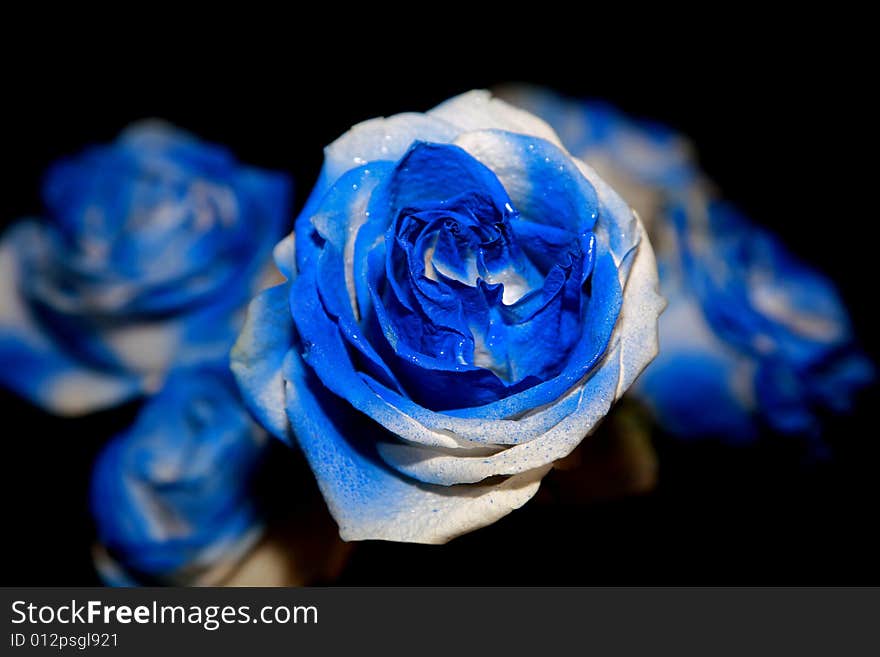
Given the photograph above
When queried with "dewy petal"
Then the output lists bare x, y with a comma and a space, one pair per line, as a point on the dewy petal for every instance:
443, 383
346, 211
478, 110
618, 232
382, 139
599, 322
411, 187
338, 220
543, 181
328, 244
432, 466
477, 430
618, 225
431, 174
635, 338
648, 153
34, 364
370, 501
258, 355
336, 305
325, 351
638, 322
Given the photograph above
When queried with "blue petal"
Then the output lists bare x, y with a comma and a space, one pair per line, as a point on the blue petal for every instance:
327, 241
340, 213
543, 182
325, 351
365, 145
600, 318
430, 174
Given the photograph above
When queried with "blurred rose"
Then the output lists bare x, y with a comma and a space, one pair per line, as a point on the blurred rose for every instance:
150, 246
174, 496
752, 338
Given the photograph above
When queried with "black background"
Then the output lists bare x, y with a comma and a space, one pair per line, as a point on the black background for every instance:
780, 125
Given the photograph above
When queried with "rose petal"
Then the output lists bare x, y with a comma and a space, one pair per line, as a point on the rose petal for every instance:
543, 181
382, 139
370, 501
478, 110
258, 355
595, 397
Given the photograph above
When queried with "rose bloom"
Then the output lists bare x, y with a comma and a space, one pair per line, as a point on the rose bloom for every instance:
465, 301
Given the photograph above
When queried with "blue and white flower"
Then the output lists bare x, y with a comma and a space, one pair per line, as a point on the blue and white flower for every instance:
173, 496
752, 338
150, 247
465, 303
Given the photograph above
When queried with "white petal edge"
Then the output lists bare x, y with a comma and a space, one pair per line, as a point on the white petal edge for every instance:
258, 354
479, 110
382, 139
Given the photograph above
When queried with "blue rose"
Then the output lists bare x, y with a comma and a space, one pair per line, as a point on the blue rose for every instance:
765, 339
172, 496
752, 338
150, 247
465, 302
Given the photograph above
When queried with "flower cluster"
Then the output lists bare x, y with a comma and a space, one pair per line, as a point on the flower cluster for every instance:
464, 296
136, 283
